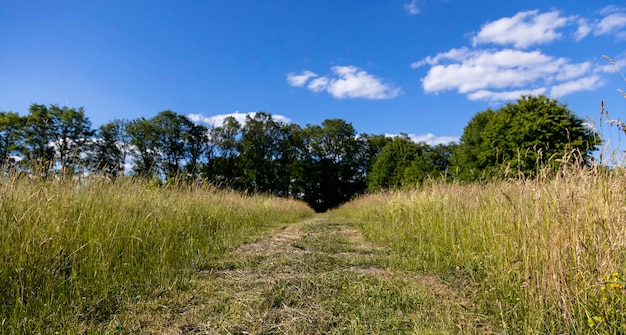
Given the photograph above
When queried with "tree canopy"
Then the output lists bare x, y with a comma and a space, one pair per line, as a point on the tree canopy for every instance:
535, 132
324, 165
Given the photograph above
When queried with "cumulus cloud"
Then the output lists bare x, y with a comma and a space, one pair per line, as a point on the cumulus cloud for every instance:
411, 8
507, 69
524, 29
218, 120
497, 75
430, 139
346, 82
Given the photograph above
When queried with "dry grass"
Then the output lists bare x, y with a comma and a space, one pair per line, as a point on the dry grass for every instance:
535, 254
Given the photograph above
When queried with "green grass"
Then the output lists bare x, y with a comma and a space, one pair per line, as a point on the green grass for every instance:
538, 256
286, 284
75, 254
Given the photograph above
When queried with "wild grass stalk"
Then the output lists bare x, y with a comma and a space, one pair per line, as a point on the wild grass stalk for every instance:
72, 254
539, 256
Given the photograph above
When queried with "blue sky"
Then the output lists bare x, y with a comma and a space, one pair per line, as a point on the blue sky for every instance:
422, 67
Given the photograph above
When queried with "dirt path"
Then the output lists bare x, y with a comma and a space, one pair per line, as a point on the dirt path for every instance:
314, 277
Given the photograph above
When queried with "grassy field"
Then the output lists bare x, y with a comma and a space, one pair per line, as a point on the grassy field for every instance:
75, 254
543, 256
317, 276
537, 256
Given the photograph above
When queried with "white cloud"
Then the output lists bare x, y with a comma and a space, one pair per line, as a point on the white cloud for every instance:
524, 29
507, 69
412, 7
613, 23
503, 96
581, 84
429, 138
583, 29
498, 75
298, 80
218, 120
452, 54
351, 82
318, 84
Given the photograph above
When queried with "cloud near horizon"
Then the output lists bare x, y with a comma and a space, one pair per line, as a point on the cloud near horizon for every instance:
430, 139
218, 120
499, 67
345, 82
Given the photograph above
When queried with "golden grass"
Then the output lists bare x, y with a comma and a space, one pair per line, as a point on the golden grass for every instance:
535, 254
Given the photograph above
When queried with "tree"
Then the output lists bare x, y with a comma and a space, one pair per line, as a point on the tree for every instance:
534, 132
72, 136
264, 147
171, 138
39, 139
400, 162
329, 172
112, 146
197, 142
223, 166
143, 138
10, 137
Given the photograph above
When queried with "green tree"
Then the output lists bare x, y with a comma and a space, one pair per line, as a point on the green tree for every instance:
330, 165
112, 146
262, 146
223, 166
171, 131
372, 146
534, 132
143, 139
72, 136
440, 157
10, 137
197, 142
401, 161
39, 139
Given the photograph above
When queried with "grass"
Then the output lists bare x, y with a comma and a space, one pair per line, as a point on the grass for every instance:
286, 283
75, 254
544, 256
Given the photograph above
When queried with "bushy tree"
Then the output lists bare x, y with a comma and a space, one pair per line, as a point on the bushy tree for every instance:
401, 162
534, 132
330, 164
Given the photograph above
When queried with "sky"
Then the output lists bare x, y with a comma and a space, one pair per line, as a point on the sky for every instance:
419, 67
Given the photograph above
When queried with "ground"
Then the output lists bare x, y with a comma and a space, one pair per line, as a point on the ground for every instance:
313, 277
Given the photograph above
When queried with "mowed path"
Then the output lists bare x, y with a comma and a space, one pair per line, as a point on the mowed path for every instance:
314, 277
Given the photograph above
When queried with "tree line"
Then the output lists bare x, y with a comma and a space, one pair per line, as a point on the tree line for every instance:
324, 165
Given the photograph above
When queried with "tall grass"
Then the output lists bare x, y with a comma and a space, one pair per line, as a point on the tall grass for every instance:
72, 254
538, 256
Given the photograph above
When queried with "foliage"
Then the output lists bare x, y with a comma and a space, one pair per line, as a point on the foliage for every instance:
330, 173
535, 131
10, 137
111, 148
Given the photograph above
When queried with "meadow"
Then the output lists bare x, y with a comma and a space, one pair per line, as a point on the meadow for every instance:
540, 256
75, 253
